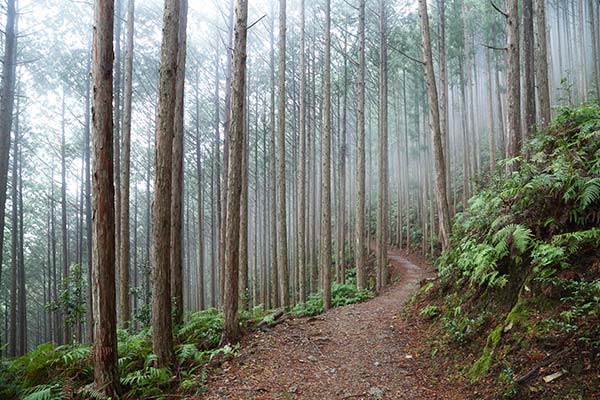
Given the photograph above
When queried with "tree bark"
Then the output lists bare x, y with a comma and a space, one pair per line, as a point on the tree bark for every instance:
117, 126
124, 304
226, 130
593, 11
326, 165
176, 256
162, 339
542, 64
275, 299
528, 68
440, 175
361, 280
88, 205
302, 161
106, 377
382, 276
281, 191
244, 292
514, 81
490, 105
231, 326
201, 286
65, 241
12, 337
7, 96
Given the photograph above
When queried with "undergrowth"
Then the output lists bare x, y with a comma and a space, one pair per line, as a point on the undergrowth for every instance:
53, 372
523, 268
342, 294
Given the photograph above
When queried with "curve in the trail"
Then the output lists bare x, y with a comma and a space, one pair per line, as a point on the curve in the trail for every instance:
361, 351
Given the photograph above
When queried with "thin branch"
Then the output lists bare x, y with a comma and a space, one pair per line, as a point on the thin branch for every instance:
406, 55
256, 22
498, 9
493, 47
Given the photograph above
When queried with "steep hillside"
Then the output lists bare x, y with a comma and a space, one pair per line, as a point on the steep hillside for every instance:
515, 309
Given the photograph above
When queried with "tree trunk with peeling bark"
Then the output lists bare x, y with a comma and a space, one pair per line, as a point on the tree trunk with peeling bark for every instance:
326, 166
106, 378
440, 174
360, 154
513, 81
176, 256
124, 304
231, 328
162, 337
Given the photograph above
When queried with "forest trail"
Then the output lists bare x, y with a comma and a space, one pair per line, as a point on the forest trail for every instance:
360, 351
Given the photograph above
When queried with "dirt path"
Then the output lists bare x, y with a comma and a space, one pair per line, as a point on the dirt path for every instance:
361, 351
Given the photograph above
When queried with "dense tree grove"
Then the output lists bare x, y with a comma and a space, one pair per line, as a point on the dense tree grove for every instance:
158, 158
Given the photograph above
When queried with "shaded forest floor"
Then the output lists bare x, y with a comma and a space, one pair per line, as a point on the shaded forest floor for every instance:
360, 351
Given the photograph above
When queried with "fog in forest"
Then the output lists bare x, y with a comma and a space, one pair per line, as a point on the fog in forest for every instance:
46, 276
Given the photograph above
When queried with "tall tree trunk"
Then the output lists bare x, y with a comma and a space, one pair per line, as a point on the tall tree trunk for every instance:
440, 174
57, 337
406, 187
281, 191
162, 338
65, 241
528, 68
490, 105
125, 313
542, 64
117, 125
231, 327
302, 161
593, 11
275, 299
326, 165
106, 378
514, 81
216, 214
88, 206
201, 286
382, 182
244, 293
176, 256
14, 262
22, 331
443, 68
342, 171
361, 280
226, 129
7, 96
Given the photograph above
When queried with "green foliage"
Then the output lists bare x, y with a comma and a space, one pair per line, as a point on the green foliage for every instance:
71, 300
341, 295
43, 392
146, 381
430, 311
203, 327
526, 245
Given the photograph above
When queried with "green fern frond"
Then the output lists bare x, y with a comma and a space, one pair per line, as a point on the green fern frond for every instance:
591, 193
44, 392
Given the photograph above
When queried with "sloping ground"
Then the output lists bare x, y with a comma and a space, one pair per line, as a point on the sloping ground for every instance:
361, 351
516, 304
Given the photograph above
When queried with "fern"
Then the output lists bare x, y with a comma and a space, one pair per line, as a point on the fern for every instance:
591, 193
516, 234
189, 352
43, 392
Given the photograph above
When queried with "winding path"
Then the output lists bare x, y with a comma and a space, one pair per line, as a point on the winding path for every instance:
361, 351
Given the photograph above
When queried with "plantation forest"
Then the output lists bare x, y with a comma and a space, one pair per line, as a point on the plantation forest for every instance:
304, 199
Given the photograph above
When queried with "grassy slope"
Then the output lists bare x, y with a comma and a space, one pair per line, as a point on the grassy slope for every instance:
520, 287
